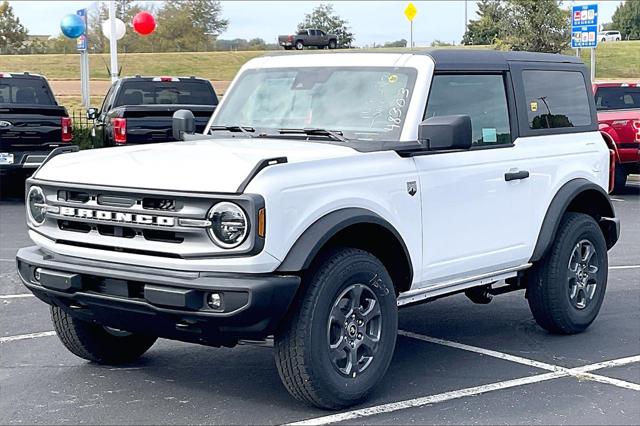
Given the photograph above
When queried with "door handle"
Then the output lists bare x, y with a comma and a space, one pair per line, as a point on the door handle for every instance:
520, 174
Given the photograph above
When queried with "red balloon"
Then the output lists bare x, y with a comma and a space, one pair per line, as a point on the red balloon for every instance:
144, 23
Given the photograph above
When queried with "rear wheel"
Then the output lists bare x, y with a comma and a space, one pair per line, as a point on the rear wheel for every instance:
97, 343
567, 287
339, 338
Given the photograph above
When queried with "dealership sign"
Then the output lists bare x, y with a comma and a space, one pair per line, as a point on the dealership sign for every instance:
584, 26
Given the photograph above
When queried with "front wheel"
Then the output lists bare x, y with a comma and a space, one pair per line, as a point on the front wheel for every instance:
566, 288
337, 342
332, 44
299, 45
97, 343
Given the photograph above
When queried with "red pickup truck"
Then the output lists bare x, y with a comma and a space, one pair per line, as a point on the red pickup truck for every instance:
618, 106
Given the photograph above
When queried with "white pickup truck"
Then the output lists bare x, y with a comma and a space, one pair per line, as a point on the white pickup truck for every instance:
326, 192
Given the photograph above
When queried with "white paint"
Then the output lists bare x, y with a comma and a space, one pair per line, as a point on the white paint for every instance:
432, 399
16, 296
27, 336
8, 260
624, 267
616, 199
582, 374
477, 390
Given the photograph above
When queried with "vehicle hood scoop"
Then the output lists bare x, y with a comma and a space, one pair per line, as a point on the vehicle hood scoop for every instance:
215, 165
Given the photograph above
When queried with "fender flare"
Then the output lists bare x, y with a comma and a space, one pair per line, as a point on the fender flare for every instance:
309, 244
559, 205
610, 136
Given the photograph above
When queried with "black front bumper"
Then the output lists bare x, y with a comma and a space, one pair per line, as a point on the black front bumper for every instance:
165, 303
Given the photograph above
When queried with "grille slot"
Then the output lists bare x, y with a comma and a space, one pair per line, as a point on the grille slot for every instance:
74, 196
164, 204
116, 231
162, 236
69, 225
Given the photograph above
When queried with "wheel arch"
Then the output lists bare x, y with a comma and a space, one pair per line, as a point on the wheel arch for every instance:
581, 196
357, 228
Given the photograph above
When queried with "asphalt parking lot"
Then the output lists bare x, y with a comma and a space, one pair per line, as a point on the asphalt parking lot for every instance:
455, 362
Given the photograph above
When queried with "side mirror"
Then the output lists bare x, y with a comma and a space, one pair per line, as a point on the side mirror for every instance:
184, 122
92, 113
445, 132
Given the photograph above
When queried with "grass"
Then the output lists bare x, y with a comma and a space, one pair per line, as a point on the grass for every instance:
614, 60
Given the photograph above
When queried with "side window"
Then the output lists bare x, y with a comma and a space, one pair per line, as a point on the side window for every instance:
556, 99
107, 99
481, 97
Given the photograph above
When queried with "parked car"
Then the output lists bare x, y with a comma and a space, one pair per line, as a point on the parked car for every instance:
32, 123
618, 106
308, 38
138, 110
327, 191
609, 36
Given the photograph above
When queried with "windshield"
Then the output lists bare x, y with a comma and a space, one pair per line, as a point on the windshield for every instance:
366, 103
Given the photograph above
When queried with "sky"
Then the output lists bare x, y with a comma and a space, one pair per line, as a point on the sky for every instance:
371, 21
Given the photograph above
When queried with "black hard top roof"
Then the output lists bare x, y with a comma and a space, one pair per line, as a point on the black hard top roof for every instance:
468, 59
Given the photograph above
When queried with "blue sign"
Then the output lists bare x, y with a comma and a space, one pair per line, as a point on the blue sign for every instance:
584, 26
81, 42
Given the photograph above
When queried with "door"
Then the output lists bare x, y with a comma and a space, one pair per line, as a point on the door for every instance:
475, 204
100, 123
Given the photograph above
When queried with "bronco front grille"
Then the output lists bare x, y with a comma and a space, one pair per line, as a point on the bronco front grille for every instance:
128, 221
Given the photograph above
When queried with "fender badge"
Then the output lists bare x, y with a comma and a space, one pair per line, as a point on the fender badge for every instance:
412, 187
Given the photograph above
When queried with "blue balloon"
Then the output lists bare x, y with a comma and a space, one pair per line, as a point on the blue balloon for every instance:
72, 26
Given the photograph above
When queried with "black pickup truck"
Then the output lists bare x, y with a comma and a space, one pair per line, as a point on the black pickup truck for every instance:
139, 109
32, 123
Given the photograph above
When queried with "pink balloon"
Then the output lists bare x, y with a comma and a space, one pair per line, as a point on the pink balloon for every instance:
144, 23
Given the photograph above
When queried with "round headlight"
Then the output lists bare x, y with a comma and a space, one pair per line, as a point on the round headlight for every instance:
36, 205
229, 225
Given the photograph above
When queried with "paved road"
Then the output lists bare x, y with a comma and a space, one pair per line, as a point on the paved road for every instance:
455, 363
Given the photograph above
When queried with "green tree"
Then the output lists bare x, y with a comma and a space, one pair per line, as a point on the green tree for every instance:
626, 19
12, 33
486, 29
398, 43
190, 25
323, 17
534, 25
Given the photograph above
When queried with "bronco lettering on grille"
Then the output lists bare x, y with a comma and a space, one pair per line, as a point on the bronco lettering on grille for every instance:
144, 219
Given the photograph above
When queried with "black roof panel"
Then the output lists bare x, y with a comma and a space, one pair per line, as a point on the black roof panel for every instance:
468, 59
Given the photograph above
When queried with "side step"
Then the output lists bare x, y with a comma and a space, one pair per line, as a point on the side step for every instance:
457, 285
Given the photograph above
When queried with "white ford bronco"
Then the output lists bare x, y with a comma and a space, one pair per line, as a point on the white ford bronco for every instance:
327, 191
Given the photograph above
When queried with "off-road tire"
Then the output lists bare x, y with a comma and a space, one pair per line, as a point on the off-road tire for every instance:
95, 343
299, 45
301, 345
548, 291
620, 180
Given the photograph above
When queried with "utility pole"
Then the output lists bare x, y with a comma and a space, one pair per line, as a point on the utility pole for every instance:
113, 43
466, 21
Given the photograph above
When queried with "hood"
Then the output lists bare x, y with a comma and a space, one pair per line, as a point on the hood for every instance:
215, 165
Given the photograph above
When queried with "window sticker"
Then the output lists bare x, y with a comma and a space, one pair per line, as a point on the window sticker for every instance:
489, 135
534, 106
393, 78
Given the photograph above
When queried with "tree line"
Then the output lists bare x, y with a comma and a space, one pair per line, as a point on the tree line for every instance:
196, 25
539, 25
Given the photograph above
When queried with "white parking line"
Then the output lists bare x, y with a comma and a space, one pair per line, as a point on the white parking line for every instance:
616, 199
582, 374
431, 399
625, 267
16, 296
8, 260
447, 396
27, 336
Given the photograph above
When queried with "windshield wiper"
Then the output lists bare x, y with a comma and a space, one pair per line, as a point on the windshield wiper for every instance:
333, 134
244, 129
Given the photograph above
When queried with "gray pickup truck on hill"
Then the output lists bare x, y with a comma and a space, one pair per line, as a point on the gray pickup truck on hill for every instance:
308, 37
